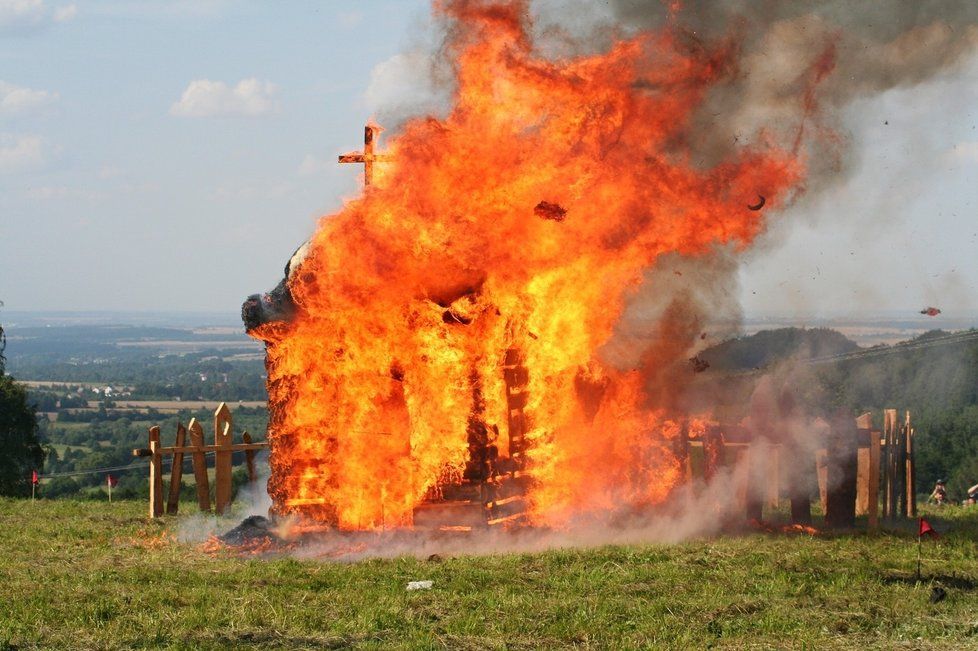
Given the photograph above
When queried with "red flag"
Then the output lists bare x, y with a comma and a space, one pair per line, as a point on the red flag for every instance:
925, 529
112, 481
35, 480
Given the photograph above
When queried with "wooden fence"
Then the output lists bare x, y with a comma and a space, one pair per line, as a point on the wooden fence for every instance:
223, 449
861, 470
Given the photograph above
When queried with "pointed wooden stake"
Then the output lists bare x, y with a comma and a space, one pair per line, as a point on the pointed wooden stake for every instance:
200, 467
176, 472
222, 458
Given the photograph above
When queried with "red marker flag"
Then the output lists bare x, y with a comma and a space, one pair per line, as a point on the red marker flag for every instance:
925, 529
112, 481
35, 480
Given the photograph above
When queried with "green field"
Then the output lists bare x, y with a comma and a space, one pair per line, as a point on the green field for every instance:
94, 575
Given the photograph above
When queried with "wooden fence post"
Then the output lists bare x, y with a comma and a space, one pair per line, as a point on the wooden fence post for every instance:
910, 469
874, 479
757, 462
900, 472
222, 458
841, 473
774, 477
800, 468
889, 465
155, 474
200, 466
864, 424
176, 472
250, 458
821, 466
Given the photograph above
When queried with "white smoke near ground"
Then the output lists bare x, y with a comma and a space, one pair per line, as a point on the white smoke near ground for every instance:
702, 510
251, 499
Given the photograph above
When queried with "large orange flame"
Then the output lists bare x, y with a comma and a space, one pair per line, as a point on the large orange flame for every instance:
413, 293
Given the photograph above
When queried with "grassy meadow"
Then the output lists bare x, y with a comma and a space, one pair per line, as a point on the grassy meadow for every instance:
85, 575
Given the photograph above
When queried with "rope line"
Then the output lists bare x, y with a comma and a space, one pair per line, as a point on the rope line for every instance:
139, 464
954, 338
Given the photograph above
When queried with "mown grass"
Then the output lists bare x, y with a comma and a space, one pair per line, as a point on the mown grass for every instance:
94, 575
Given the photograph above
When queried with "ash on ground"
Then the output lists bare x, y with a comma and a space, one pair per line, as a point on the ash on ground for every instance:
252, 529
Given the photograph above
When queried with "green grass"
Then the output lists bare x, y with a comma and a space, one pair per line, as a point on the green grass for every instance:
87, 575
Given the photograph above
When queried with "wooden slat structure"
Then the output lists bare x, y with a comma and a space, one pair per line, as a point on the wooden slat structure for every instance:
860, 470
223, 449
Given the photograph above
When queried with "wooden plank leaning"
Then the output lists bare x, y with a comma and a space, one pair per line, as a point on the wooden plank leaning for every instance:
911, 469
200, 466
176, 473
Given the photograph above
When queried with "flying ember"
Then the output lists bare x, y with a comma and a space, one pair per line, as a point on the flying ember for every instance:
447, 324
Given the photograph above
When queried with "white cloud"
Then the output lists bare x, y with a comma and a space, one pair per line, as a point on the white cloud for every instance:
350, 19
313, 166
17, 100
21, 153
66, 13
24, 16
206, 98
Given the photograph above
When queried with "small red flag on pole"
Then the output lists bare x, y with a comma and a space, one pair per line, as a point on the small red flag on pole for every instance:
923, 529
111, 481
35, 480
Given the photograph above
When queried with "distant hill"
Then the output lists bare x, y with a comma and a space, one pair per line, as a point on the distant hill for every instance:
771, 346
933, 375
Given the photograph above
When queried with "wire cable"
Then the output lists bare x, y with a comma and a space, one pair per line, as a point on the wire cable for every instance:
133, 466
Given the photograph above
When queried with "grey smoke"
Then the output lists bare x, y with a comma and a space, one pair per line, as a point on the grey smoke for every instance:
768, 95
876, 46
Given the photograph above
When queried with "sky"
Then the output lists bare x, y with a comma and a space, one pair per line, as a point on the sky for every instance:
170, 156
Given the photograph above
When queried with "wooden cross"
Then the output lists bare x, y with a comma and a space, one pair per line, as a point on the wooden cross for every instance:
370, 134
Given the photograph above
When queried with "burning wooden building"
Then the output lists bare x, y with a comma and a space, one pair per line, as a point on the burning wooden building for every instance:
439, 338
